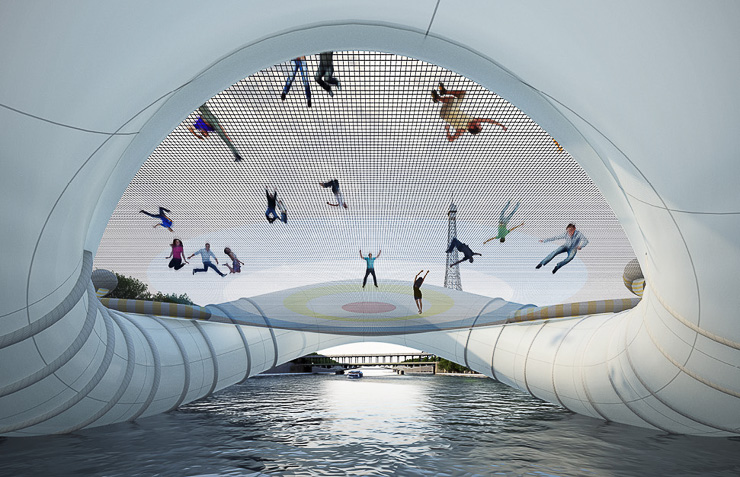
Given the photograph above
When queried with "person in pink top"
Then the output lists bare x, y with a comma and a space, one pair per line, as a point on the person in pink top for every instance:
453, 116
177, 254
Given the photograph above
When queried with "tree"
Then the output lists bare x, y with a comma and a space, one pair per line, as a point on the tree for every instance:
133, 289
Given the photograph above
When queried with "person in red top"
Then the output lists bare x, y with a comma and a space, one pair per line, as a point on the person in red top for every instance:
177, 254
453, 116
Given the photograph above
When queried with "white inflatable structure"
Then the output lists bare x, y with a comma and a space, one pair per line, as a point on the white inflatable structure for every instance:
643, 95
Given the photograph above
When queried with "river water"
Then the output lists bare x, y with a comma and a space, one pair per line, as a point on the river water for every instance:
379, 425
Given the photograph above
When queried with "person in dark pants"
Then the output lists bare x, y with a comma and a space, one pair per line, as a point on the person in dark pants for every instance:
325, 74
370, 267
418, 281
299, 64
205, 255
178, 255
462, 248
334, 184
166, 222
271, 214
574, 241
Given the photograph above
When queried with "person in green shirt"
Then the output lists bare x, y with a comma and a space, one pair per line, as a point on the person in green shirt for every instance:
503, 223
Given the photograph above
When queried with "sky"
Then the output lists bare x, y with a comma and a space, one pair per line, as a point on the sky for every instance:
381, 136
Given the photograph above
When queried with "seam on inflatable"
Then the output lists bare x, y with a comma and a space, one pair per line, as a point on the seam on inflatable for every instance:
69, 277
584, 381
526, 356
269, 326
62, 359
611, 365
472, 325
555, 360
125, 382
82, 393
157, 364
214, 358
244, 341
58, 312
684, 321
669, 406
66, 125
185, 362
493, 352
687, 371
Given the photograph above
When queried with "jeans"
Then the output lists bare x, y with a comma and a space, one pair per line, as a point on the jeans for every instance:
558, 251
271, 215
176, 263
206, 266
369, 271
159, 216
503, 218
298, 65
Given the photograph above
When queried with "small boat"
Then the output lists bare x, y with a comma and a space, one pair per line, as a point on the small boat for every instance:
354, 374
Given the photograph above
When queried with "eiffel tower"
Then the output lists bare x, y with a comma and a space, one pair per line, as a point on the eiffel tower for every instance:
452, 275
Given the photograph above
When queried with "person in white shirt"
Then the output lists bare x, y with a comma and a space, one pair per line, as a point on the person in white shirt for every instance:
205, 255
574, 241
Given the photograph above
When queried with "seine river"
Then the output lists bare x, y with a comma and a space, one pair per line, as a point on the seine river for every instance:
379, 425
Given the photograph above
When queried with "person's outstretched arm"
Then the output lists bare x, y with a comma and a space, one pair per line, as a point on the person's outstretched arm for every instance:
491, 121
417, 275
557, 237
378, 255
516, 226
361, 254
190, 128
583, 242
172, 252
492, 238
458, 262
182, 254
452, 137
425, 275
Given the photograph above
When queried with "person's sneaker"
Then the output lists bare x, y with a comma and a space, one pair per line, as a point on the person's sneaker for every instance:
238, 158
193, 271
442, 88
331, 93
554, 270
435, 96
376, 286
338, 85
539, 265
282, 96
309, 103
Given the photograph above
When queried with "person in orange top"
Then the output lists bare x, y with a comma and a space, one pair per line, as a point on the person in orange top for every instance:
451, 113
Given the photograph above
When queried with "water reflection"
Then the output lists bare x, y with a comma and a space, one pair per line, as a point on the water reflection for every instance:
379, 425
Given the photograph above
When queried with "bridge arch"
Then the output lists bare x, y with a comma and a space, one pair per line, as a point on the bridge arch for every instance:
644, 367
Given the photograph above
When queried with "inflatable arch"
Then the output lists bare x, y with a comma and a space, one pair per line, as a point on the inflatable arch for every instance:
642, 95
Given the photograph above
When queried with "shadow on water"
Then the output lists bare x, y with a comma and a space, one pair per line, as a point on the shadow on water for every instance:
379, 425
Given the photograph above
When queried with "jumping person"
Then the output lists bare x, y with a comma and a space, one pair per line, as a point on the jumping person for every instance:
283, 211
453, 116
298, 64
270, 213
417, 288
334, 184
325, 74
574, 241
370, 267
503, 223
206, 123
237, 264
166, 222
178, 255
462, 248
205, 255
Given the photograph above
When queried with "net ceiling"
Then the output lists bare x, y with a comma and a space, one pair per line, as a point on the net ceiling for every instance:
382, 137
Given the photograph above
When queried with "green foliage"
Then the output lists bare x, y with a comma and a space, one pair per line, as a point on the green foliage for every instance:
134, 289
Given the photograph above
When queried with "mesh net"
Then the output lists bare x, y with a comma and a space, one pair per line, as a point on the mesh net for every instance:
382, 137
